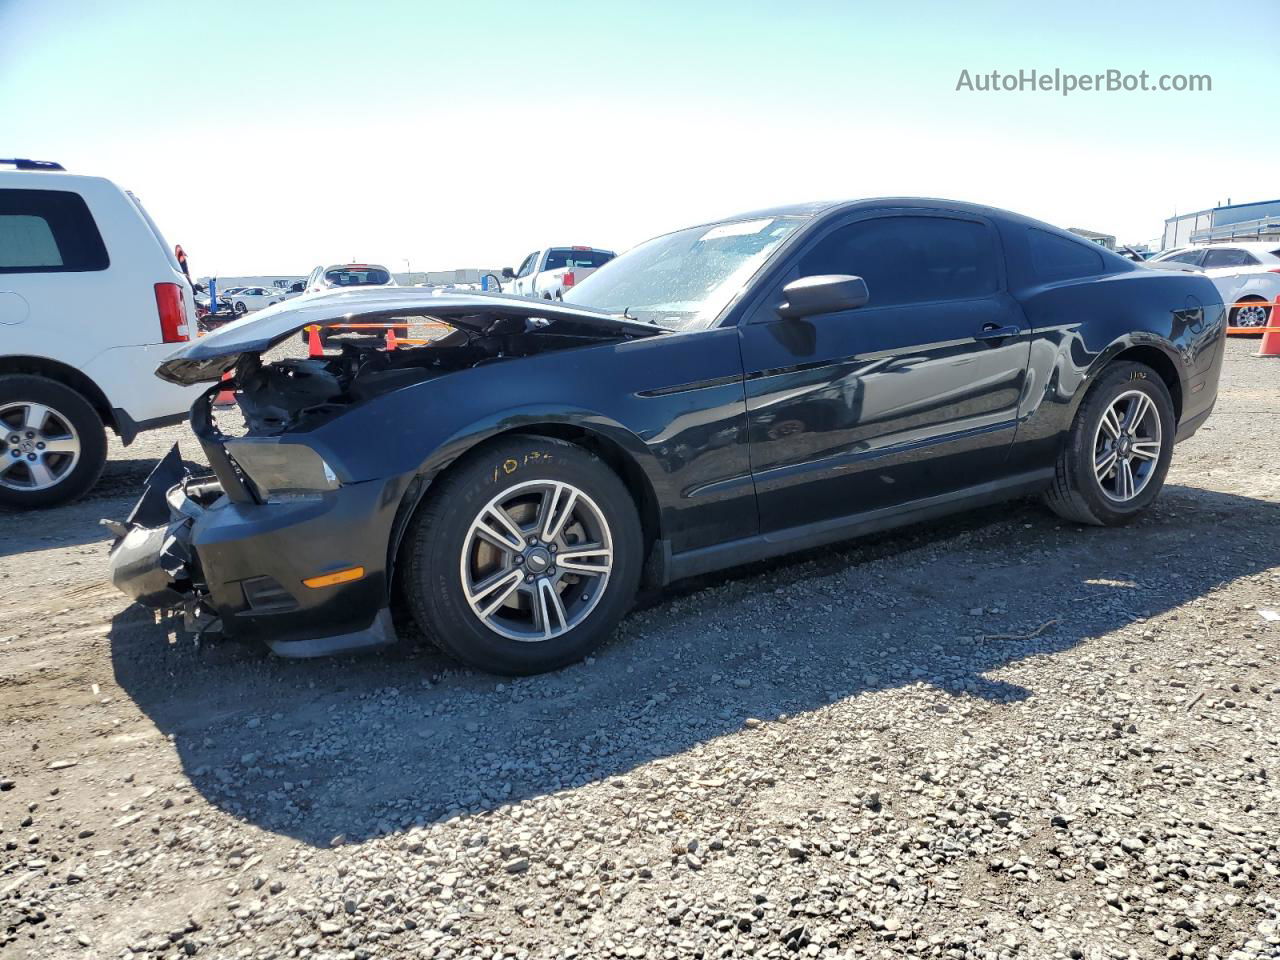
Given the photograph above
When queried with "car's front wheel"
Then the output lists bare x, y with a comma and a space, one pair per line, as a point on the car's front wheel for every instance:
1117, 454
524, 557
52, 443
240, 308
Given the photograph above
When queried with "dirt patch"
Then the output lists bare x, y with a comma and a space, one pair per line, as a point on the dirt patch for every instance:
995, 736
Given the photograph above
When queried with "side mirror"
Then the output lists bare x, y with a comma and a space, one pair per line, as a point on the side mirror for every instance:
508, 273
831, 293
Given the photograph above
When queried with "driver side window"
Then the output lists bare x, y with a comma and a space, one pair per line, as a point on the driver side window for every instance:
910, 259
526, 268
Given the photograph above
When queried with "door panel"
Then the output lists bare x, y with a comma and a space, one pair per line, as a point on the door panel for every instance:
863, 409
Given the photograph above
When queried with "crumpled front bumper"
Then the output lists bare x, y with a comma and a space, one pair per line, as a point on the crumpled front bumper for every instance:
151, 559
237, 568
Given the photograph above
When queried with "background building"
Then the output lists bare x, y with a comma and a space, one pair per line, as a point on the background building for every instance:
1102, 239
1234, 221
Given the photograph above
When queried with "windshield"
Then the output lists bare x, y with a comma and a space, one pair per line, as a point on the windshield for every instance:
558, 257
684, 279
354, 276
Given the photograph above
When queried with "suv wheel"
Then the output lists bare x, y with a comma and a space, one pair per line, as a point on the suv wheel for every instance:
525, 557
52, 443
1118, 451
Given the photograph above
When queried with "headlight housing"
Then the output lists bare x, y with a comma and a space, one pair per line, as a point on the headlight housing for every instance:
282, 471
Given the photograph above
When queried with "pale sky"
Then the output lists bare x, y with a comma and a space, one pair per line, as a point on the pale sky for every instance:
268, 137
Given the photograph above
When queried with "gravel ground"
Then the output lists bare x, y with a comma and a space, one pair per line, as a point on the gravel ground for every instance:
994, 736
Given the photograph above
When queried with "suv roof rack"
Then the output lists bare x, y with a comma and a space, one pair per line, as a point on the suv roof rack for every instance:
22, 164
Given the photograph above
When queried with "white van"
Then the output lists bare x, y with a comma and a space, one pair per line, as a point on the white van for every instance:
91, 300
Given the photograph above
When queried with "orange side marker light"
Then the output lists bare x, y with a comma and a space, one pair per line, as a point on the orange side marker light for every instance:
338, 576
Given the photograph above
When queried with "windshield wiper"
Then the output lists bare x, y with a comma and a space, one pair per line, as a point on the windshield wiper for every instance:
626, 314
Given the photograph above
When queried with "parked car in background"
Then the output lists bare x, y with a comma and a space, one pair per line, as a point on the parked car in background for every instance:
719, 395
345, 276
91, 299
325, 280
1245, 273
248, 299
549, 273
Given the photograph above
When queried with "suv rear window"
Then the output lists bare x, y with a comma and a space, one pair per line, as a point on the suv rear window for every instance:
356, 276
558, 257
48, 231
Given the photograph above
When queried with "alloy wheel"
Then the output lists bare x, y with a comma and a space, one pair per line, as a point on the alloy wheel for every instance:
1254, 315
1126, 446
536, 560
38, 446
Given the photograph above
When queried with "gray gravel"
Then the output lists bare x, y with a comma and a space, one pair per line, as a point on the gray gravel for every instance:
995, 736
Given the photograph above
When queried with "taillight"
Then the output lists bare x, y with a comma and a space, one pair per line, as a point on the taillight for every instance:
568, 279
1274, 270
173, 313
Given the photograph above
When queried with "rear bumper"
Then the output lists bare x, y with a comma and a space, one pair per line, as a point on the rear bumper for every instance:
238, 568
1200, 391
124, 374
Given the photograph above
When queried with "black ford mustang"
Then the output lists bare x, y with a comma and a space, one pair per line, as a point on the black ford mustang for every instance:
718, 395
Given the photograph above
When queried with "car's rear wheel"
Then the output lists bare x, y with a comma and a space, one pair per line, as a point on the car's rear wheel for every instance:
52, 443
525, 556
1253, 312
1118, 451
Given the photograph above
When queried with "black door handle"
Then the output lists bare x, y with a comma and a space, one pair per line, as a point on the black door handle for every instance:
993, 331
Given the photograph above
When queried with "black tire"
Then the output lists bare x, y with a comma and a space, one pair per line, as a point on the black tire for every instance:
1250, 317
437, 538
1076, 493
69, 407
240, 309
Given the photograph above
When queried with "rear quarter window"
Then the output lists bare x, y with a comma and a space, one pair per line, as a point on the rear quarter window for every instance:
1057, 258
48, 231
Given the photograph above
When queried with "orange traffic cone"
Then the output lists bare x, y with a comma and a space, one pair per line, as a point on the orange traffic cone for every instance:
225, 398
314, 347
1270, 345
391, 338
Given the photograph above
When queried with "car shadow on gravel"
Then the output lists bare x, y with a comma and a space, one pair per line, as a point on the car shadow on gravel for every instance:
356, 747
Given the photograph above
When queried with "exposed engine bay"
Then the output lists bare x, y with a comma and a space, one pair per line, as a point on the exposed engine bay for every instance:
281, 395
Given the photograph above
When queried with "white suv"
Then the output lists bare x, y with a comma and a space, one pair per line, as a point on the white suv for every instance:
91, 300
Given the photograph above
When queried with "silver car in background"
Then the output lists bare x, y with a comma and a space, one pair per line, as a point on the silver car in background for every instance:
1246, 273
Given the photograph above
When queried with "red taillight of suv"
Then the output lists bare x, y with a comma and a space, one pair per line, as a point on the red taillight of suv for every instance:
569, 280
173, 313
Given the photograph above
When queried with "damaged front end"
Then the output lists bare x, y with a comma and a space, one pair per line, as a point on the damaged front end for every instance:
290, 537
152, 559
